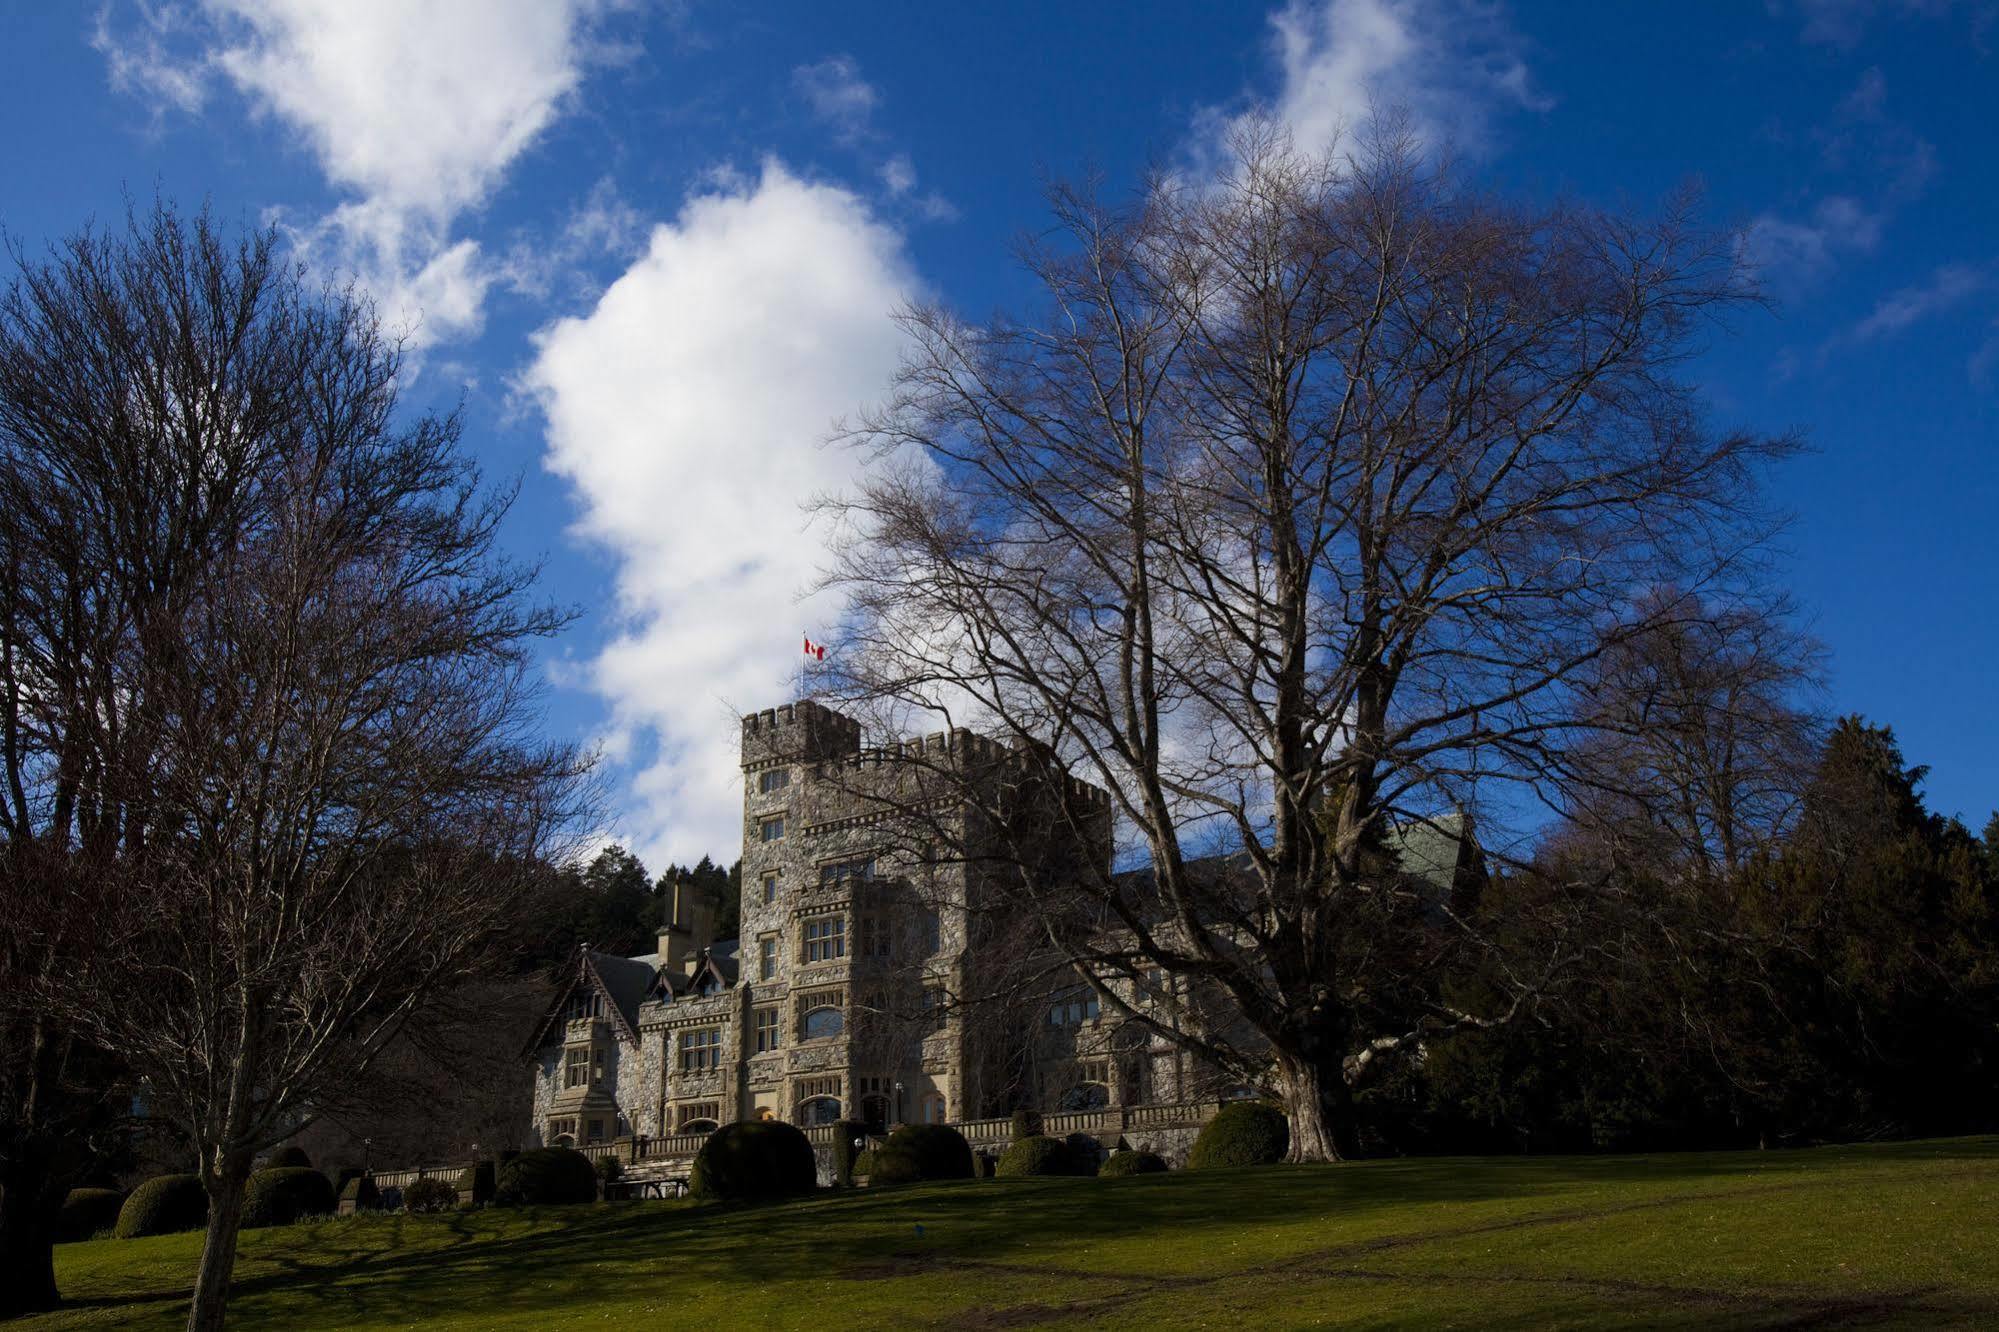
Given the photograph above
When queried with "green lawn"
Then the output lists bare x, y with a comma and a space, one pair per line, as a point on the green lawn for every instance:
1850, 1236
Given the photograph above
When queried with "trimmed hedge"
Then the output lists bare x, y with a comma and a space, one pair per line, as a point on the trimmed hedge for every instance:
846, 1156
477, 1180
1132, 1163
546, 1175
1025, 1124
940, 1151
163, 1205
1035, 1155
359, 1194
894, 1165
1244, 1133
286, 1157
85, 1212
284, 1194
755, 1160
429, 1194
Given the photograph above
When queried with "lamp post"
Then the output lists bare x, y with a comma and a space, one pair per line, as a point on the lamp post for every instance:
897, 1107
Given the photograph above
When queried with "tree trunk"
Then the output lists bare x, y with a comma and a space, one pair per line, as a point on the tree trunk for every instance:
27, 1242
218, 1248
1319, 1105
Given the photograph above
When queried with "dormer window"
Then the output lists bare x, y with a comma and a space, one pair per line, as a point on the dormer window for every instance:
585, 1003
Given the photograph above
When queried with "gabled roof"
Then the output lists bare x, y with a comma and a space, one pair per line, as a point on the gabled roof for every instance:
719, 963
621, 981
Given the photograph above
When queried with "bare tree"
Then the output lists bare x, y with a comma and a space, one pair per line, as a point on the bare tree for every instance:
1295, 515
309, 782
1702, 741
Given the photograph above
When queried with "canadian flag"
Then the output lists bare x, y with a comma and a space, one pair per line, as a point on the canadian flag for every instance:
814, 650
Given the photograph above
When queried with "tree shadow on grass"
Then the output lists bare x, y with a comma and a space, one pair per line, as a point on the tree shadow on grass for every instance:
1012, 1235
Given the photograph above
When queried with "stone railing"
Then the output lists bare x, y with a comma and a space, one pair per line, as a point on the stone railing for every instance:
1105, 1119
402, 1179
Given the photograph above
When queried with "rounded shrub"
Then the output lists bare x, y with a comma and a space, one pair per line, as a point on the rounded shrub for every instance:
1035, 1155
1132, 1163
864, 1163
284, 1194
429, 1194
940, 1151
894, 1164
1244, 1133
754, 1160
163, 1205
86, 1212
547, 1175
292, 1156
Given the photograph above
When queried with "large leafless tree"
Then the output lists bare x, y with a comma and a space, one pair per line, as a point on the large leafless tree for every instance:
1303, 505
270, 718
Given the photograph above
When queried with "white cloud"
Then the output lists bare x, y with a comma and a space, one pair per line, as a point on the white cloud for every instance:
415, 110
899, 174
1842, 23
1446, 64
1947, 288
1788, 252
687, 410
143, 63
838, 95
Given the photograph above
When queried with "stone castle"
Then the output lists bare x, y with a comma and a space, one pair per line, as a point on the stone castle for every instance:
839, 1000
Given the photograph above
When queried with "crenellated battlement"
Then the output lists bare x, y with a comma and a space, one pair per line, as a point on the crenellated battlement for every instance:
800, 732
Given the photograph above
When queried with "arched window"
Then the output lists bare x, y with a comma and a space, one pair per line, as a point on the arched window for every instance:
824, 1022
699, 1126
932, 1108
1086, 1096
819, 1110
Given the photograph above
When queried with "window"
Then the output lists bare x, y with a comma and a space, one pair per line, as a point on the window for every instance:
576, 1068
585, 1003
932, 1109
825, 938
700, 1050
700, 1116
596, 1131
772, 828
767, 957
561, 1132
823, 1023
846, 871
773, 779
819, 1101
1085, 1096
931, 1012
767, 1030
873, 937
596, 1066
1075, 1012
770, 889
931, 930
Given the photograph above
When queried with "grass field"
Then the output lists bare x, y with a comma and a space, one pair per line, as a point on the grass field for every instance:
1900, 1234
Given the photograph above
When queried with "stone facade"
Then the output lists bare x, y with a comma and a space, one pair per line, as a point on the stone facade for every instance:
839, 1000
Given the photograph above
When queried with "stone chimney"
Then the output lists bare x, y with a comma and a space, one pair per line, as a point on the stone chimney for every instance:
690, 930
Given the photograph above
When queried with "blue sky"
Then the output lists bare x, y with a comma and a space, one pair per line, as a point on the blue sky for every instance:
653, 248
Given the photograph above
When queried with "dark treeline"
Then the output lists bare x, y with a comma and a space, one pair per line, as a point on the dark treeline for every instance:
614, 905
1840, 984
